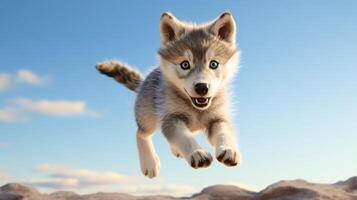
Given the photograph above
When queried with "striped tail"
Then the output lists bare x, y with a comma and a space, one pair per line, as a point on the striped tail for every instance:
121, 73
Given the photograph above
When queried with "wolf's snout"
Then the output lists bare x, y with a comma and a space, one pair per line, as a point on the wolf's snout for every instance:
201, 88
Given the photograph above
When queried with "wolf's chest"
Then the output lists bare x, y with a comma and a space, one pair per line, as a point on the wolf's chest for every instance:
196, 123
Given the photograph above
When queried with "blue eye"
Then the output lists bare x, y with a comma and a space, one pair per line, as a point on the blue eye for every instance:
213, 64
185, 65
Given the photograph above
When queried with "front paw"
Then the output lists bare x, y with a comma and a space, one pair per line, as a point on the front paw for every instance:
150, 166
228, 156
200, 159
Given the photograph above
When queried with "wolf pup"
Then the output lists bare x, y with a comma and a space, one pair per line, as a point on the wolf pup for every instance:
187, 93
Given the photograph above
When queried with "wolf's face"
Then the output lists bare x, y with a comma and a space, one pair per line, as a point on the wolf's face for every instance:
198, 59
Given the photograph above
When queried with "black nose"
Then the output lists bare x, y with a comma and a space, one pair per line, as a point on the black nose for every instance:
201, 88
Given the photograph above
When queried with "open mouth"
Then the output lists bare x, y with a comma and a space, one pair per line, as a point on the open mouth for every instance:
200, 101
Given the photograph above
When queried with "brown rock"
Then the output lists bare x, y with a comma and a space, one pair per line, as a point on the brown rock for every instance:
283, 190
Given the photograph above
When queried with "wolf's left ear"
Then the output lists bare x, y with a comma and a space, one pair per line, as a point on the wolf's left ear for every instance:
225, 28
170, 28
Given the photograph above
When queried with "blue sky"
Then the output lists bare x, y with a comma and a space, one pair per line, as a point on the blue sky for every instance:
295, 97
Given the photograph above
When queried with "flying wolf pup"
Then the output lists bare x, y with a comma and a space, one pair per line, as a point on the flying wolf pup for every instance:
187, 93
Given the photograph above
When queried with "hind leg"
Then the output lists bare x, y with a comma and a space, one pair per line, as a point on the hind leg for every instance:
147, 124
149, 161
147, 121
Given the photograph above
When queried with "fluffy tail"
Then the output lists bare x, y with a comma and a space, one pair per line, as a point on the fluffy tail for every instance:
121, 73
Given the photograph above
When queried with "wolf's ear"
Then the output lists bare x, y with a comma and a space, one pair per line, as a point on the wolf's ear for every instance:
170, 28
224, 27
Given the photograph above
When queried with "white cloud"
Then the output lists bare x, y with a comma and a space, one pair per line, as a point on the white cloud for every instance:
4, 177
245, 186
20, 109
28, 77
22, 77
52, 108
63, 177
5, 82
81, 176
170, 189
59, 177
8, 115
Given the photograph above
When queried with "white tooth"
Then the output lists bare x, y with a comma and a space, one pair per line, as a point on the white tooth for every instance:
198, 102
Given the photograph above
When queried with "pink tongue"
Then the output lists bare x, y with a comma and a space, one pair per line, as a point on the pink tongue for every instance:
201, 100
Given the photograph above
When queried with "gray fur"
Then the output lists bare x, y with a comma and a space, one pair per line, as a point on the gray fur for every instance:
121, 73
198, 41
211, 124
166, 97
171, 119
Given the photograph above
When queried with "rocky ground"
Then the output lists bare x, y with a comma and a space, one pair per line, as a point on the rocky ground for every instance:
283, 190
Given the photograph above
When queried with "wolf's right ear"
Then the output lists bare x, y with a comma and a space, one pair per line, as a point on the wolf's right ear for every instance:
170, 28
